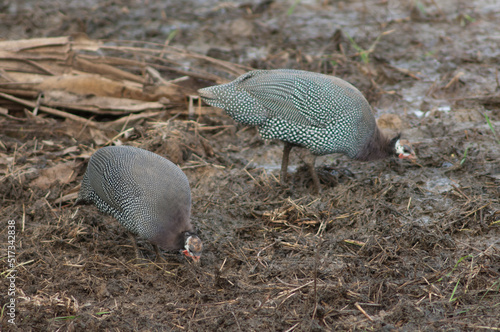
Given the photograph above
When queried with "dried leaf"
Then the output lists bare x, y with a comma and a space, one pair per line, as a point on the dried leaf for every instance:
60, 173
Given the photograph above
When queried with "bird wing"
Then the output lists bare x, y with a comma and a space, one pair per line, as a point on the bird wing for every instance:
291, 97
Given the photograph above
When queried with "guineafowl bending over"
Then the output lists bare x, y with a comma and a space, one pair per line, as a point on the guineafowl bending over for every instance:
322, 113
146, 193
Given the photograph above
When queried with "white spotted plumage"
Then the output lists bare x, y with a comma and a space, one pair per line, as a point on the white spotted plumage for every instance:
322, 113
145, 192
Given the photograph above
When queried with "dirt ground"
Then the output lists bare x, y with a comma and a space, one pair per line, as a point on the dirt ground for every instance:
389, 245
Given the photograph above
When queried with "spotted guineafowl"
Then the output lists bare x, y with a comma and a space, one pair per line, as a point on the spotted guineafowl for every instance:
322, 113
146, 193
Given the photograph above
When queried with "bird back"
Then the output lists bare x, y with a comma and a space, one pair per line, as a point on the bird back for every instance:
146, 193
323, 113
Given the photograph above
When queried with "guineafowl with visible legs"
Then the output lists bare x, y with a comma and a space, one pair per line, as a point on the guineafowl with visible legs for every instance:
322, 113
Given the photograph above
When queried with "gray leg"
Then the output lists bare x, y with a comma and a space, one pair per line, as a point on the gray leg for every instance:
284, 162
311, 161
159, 256
134, 243
157, 251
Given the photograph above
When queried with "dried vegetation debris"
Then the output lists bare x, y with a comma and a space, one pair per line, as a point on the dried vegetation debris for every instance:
80, 75
388, 245
353, 258
178, 140
356, 257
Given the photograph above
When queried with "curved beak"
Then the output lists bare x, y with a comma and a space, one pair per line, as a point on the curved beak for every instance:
195, 258
408, 154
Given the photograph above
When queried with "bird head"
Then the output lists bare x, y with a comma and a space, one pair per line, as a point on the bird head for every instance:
403, 149
193, 247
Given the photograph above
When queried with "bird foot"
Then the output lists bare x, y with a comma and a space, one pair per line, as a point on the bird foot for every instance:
333, 175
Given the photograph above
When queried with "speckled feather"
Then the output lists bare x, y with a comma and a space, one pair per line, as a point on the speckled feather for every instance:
145, 192
322, 113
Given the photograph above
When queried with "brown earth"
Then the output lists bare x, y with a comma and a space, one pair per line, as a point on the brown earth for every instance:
388, 245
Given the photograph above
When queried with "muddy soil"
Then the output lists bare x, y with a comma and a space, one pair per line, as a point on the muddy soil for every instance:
388, 245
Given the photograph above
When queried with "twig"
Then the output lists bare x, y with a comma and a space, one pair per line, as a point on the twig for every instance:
66, 198
119, 134
292, 328
155, 75
23, 220
454, 79
363, 311
236, 319
202, 128
316, 259
496, 78
460, 191
480, 208
50, 110
261, 250
140, 116
404, 71
84, 127
294, 290
250, 175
